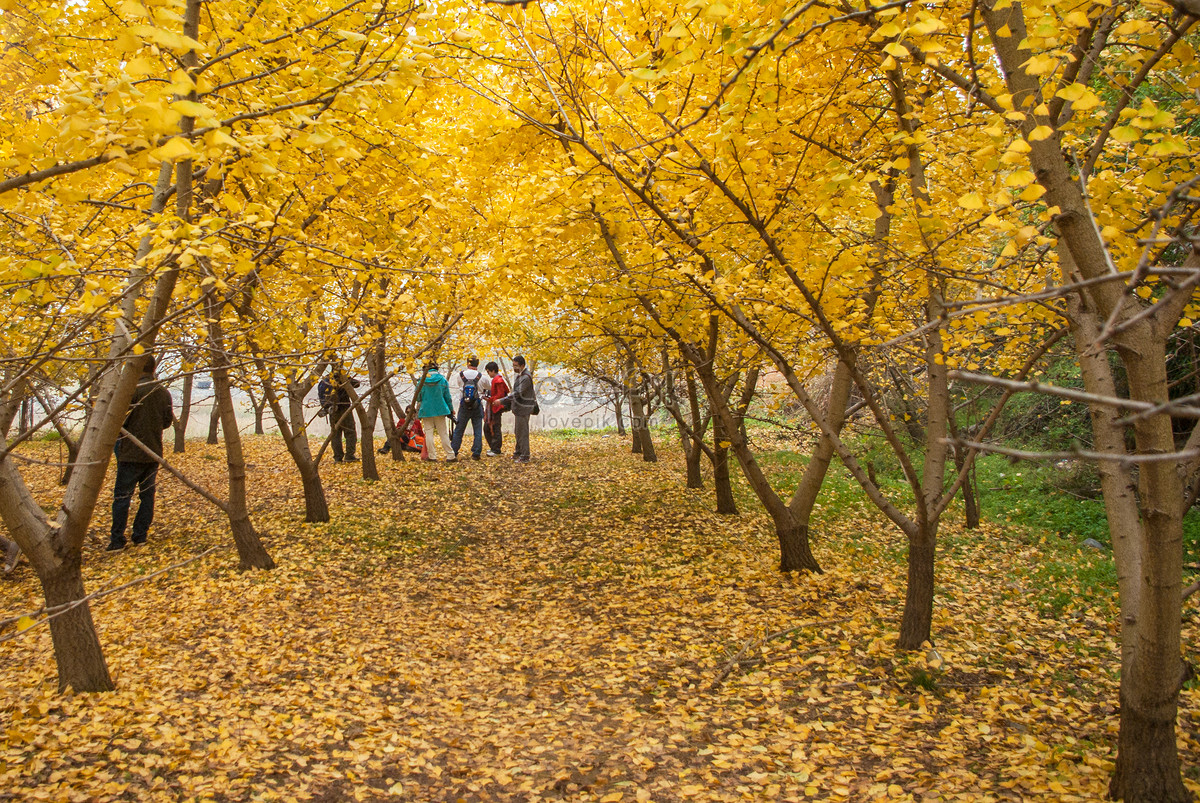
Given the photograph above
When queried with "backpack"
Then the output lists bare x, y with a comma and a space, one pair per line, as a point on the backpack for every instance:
470, 391
325, 394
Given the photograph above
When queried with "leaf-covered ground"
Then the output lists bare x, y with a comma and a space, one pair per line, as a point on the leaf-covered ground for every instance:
581, 628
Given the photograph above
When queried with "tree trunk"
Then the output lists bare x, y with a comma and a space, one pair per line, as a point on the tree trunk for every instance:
214, 422
636, 415
970, 503
1147, 767
376, 369
917, 623
366, 441
81, 664
1149, 553
805, 498
25, 419
620, 417
695, 479
795, 553
54, 549
316, 509
295, 437
649, 455
185, 413
259, 405
251, 552
692, 461
720, 463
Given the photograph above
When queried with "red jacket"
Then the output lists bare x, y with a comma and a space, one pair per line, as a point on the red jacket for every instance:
499, 391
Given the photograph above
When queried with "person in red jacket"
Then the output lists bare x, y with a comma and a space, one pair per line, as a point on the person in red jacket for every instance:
493, 427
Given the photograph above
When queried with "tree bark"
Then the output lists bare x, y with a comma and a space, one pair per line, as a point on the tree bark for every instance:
726, 505
917, 622
805, 498
214, 422
295, 437
81, 664
637, 421
694, 455
259, 405
376, 369
185, 413
620, 417
316, 509
251, 552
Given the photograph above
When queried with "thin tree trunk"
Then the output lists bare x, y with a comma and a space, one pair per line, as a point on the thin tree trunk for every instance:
649, 454
259, 406
376, 369
295, 437
726, 505
695, 476
970, 505
804, 500
251, 552
185, 413
214, 422
620, 418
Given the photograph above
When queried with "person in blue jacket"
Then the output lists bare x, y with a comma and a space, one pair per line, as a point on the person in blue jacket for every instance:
434, 405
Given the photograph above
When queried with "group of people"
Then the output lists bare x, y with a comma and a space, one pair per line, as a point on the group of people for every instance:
484, 397
482, 403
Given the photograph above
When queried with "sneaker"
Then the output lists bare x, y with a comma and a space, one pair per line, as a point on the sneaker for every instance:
492, 454
351, 459
474, 457
521, 459
337, 459
114, 546
452, 459
139, 542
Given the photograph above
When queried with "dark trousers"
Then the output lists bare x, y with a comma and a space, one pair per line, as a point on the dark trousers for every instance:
494, 432
343, 427
131, 475
475, 417
521, 433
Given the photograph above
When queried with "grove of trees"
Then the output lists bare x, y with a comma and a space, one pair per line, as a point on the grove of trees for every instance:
884, 208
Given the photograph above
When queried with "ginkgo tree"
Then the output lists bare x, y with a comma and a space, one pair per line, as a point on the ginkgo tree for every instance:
104, 100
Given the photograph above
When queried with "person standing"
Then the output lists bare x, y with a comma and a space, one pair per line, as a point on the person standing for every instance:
524, 404
470, 409
150, 412
433, 407
493, 425
334, 396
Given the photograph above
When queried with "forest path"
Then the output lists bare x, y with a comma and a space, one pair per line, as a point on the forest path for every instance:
556, 631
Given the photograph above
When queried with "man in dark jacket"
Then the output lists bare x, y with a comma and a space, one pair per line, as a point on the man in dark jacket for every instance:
524, 404
334, 396
150, 413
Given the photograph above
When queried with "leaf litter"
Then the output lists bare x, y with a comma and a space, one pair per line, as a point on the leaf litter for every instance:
582, 628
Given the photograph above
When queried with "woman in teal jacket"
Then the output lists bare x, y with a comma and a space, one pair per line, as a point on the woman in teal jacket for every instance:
434, 405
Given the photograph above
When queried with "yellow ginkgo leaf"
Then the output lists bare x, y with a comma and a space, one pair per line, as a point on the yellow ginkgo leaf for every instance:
971, 200
1018, 178
175, 149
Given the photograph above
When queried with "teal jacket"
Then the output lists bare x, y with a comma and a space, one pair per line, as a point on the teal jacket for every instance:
435, 396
